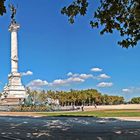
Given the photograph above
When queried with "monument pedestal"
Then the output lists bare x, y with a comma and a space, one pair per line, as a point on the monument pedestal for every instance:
14, 92
15, 88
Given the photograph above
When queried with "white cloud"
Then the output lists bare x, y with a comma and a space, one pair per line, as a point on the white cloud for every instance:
105, 84
72, 79
126, 90
37, 83
63, 82
27, 73
70, 74
96, 69
86, 76
103, 76
83, 76
58, 82
75, 79
131, 90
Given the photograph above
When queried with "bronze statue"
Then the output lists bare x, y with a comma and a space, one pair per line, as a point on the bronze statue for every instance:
13, 12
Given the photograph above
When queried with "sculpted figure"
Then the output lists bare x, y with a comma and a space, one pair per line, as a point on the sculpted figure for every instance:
13, 12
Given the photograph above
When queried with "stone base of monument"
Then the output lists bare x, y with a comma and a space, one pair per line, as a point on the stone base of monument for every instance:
7, 104
11, 101
6, 107
14, 93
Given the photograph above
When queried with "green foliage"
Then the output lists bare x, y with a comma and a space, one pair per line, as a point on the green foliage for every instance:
77, 7
72, 97
84, 97
112, 100
2, 7
135, 100
120, 15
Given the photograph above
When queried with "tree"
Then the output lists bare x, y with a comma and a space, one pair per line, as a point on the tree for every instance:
2, 7
42, 97
135, 100
74, 97
120, 15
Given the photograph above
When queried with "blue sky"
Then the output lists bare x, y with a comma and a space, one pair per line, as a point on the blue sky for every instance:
54, 54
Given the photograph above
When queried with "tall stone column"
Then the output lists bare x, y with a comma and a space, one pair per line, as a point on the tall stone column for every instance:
14, 90
14, 47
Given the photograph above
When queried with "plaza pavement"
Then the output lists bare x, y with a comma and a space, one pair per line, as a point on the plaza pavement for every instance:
67, 128
108, 107
29, 125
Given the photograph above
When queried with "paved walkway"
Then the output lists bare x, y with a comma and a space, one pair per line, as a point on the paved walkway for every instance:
68, 128
104, 107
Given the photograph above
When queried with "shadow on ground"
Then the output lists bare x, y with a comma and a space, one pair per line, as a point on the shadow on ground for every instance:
68, 128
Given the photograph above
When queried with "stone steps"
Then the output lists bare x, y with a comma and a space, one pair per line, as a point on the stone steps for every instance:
5, 107
10, 101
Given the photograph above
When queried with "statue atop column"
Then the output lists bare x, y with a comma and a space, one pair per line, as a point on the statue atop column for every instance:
13, 13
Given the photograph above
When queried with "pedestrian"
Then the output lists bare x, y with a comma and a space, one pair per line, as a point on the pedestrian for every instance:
82, 107
8, 109
95, 105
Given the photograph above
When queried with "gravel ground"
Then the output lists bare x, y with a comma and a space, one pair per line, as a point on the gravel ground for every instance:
68, 128
103, 107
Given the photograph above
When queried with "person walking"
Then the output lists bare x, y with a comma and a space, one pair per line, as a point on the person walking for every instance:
82, 107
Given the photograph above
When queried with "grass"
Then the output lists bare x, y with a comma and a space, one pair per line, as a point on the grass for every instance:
99, 113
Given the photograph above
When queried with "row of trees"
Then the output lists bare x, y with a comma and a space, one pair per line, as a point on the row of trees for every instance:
75, 97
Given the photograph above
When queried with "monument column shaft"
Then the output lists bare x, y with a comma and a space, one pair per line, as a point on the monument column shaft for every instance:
14, 52
14, 89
